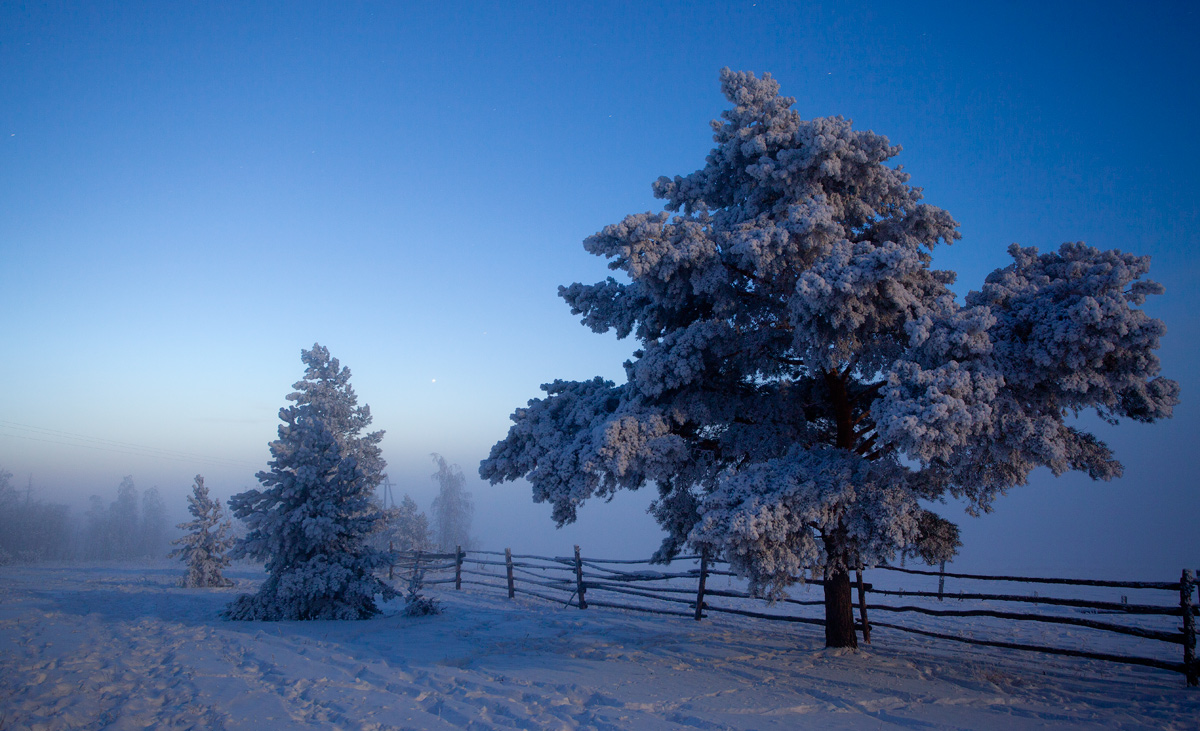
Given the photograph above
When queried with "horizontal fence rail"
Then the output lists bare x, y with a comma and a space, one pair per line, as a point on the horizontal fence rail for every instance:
684, 588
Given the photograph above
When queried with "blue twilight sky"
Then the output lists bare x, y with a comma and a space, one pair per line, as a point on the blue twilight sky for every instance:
192, 192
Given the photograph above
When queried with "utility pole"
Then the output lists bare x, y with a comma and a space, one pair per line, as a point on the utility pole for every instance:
389, 501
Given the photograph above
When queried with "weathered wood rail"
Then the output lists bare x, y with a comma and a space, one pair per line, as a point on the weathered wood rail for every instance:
576, 580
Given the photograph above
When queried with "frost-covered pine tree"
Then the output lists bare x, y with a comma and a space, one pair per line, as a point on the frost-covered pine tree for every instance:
806, 381
452, 508
313, 519
206, 541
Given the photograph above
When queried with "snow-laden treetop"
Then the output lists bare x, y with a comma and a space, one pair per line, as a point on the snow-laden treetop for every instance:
326, 387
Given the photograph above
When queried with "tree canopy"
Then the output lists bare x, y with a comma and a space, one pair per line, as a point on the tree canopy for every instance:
807, 385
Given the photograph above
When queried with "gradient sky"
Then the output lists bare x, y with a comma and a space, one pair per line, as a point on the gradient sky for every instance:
191, 193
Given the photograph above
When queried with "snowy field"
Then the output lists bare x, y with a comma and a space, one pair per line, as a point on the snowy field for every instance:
122, 647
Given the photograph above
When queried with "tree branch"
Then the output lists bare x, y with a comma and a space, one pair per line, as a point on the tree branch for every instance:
797, 362
868, 391
845, 374
748, 275
865, 447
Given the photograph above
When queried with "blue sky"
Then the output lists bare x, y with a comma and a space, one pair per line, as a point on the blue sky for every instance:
191, 193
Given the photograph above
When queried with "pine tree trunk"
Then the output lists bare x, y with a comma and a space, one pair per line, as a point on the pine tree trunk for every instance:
839, 611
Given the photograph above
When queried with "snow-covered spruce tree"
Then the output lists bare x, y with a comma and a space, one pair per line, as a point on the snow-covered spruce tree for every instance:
452, 508
807, 383
206, 541
312, 523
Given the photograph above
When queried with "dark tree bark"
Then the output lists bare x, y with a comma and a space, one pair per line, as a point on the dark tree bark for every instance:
839, 611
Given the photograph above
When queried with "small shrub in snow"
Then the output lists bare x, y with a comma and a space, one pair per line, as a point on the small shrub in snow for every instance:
415, 603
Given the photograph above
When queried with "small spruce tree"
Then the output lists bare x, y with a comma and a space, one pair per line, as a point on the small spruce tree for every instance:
312, 522
203, 548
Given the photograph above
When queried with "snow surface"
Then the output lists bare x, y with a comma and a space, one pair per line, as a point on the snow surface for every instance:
122, 646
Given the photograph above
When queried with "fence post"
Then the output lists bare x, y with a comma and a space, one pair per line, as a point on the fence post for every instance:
700, 588
1186, 584
391, 560
862, 606
941, 579
458, 559
512, 590
579, 587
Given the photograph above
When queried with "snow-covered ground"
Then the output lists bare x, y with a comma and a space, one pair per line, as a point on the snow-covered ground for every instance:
123, 647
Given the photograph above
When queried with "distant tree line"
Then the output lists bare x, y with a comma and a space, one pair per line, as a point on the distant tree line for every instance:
35, 530
123, 530
31, 530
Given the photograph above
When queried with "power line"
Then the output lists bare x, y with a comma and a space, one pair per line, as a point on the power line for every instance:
56, 436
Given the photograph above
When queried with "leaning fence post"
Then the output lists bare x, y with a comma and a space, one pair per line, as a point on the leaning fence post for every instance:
458, 559
1186, 584
512, 590
700, 588
941, 579
862, 606
579, 587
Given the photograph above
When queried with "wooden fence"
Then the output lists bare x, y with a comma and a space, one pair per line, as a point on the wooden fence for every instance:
687, 592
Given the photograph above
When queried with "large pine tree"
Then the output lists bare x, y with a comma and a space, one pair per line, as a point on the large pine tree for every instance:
807, 383
313, 519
